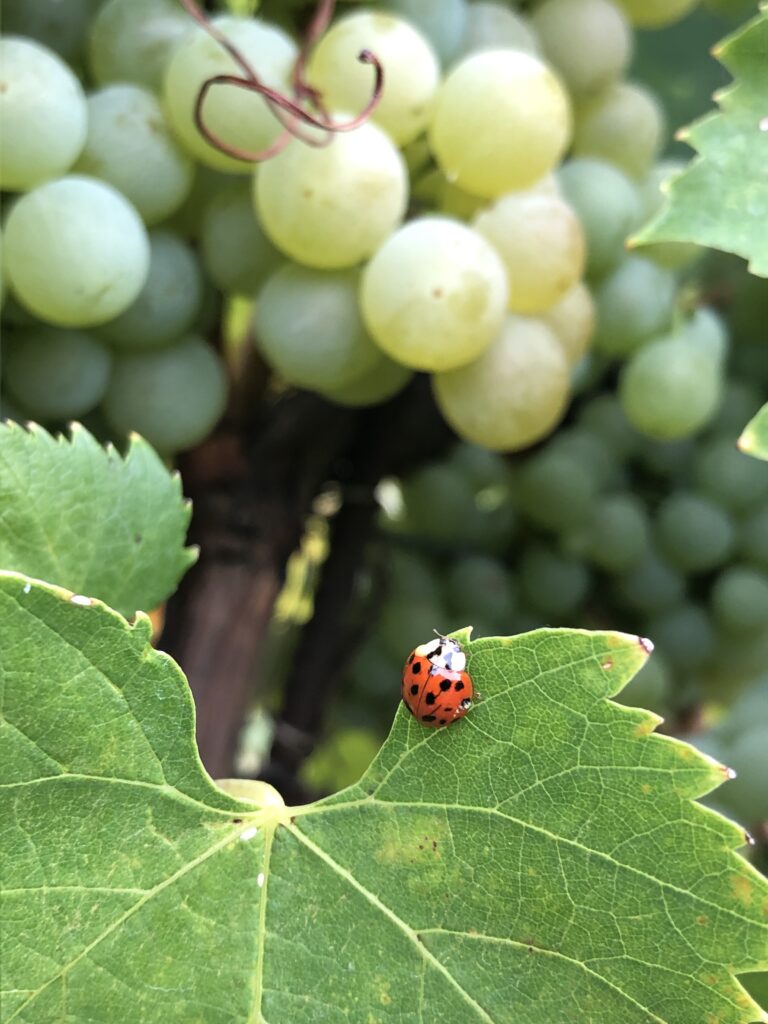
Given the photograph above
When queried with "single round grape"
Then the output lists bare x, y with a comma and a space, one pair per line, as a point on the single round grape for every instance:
173, 397
552, 583
59, 26
541, 244
740, 599
76, 251
235, 252
382, 381
433, 296
484, 586
55, 374
554, 492
592, 454
624, 125
439, 502
130, 145
573, 321
666, 458
753, 537
169, 303
485, 470
739, 404
685, 635
410, 573
442, 22
492, 26
331, 207
656, 13
501, 120
706, 329
133, 40
734, 480
669, 389
694, 533
308, 326
515, 393
588, 42
604, 417
239, 118
206, 185
634, 303
653, 192
651, 688
608, 208
411, 71
652, 585
43, 116
617, 536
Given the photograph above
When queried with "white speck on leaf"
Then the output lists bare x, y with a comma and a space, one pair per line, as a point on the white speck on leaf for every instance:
27, 587
84, 602
260, 879
249, 833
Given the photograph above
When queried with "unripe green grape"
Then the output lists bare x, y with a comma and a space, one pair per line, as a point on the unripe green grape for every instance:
410, 573
651, 688
748, 757
753, 538
541, 244
455, 202
592, 454
406, 623
43, 116
236, 116
514, 394
133, 40
670, 388
168, 304
442, 22
235, 252
652, 585
588, 42
439, 502
501, 120
382, 381
76, 251
492, 26
635, 303
206, 185
617, 536
706, 329
748, 708
411, 71
553, 583
608, 207
740, 402
554, 492
684, 634
59, 26
173, 397
55, 374
624, 125
656, 13
485, 470
666, 458
694, 533
604, 417
130, 145
573, 321
484, 587
331, 207
734, 480
433, 296
653, 191
740, 599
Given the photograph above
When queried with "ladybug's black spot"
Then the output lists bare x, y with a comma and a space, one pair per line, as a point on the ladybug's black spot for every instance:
416, 668
459, 687
445, 685
415, 689
430, 698
428, 718
443, 721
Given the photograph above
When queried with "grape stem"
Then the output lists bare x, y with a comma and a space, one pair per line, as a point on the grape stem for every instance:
289, 111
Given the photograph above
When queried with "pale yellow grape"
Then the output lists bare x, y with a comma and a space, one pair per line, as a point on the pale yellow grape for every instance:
514, 394
656, 13
376, 385
573, 321
623, 125
492, 26
411, 71
433, 297
238, 117
501, 120
332, 206
541, 244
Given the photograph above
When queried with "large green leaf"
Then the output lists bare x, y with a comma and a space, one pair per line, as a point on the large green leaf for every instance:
79, 515
754, 440
540, 861
721, 199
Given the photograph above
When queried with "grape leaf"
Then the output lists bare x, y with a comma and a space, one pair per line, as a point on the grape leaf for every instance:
721, 199
754, 439
83, 517
540, 861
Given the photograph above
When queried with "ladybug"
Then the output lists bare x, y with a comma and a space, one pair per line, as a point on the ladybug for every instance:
436, 688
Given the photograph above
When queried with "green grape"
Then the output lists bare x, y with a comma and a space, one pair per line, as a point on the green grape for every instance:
433, 296
635, 303
592, 454
656, 13
684, 634
173, 397
55, 374
59, 26
740, 599
514, 394
666, 458
411, 71
382, 381
482, 587
442, 22
341, 760
670, 388
541, 244
206, 185
76, 251
623, 125
486, 471
707, 330
572, 320
130, 145
727, 476
439, 502
43, 115
747, 794
739, 404
753, 537
604, 417
417, 156
133, 40
239, 118
552, 583
406, 623
653, 191
492, 26
554, 492
652, 585
169, 303
651, 688
588, 42
308, 326
750, 707
608, 207
235, 252
501, 120
455, 202
695, 534
617, 536
410, 574
333, 206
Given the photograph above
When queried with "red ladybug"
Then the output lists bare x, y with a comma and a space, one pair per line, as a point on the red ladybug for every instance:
437, 689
